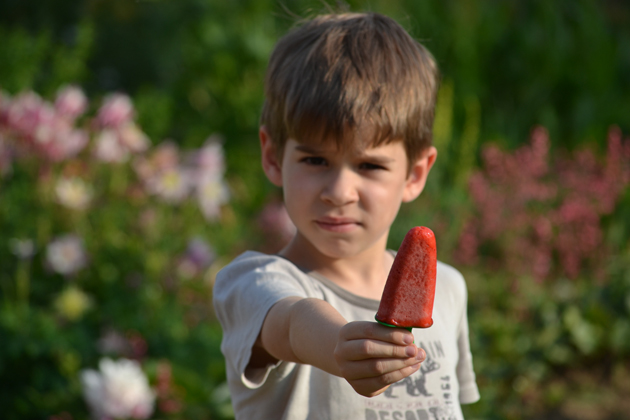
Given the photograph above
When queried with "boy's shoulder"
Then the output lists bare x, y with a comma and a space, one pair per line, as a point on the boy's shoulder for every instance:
264, 271
256, 261
248, 264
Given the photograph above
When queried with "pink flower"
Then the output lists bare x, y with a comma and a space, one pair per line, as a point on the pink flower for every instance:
40, 128
26, 112
199, 255
200, 252
72, 142
63, 141
165, 157
210, 158
116, 110
541, 219
71, 102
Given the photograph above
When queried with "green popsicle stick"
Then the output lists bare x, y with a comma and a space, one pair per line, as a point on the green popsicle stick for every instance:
392, 326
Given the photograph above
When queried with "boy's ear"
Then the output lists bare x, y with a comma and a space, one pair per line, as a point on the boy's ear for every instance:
269, 157
418, 174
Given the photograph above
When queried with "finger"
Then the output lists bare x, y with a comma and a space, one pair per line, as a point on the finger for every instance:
374, 349
364, 329
370, 387
374, 368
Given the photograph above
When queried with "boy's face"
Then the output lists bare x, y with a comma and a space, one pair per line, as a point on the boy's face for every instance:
344, 202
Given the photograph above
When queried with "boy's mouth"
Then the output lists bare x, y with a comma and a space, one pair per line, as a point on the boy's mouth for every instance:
337, 224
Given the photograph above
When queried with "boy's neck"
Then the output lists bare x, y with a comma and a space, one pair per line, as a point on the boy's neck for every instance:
363, 274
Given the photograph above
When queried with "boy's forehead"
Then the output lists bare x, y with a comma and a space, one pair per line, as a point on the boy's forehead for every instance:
355, 140
357, 146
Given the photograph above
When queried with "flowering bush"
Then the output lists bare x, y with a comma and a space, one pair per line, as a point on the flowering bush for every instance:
545, 253
108, 250
541, 218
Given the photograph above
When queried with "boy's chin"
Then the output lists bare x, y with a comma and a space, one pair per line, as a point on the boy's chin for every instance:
340, 249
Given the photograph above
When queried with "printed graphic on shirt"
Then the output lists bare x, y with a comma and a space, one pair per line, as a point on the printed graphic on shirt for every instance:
412, 399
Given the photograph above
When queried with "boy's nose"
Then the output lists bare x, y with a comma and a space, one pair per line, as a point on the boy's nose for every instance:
340, 188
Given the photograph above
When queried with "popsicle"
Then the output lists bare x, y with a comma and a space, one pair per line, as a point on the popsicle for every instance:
407, 299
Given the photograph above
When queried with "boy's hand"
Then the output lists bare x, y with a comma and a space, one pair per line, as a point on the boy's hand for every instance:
371, 356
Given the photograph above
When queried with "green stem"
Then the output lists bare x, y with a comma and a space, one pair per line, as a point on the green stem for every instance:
23, 281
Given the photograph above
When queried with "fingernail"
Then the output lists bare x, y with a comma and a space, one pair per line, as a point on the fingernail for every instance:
421, 355
408, 338
410, 351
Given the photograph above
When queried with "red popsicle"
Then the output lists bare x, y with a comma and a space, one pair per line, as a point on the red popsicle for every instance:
407, 299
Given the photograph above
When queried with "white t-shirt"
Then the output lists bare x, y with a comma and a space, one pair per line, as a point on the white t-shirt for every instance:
250, 285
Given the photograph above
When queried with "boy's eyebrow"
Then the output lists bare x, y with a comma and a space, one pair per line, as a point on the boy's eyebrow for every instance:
374, 158
377, 158
307, 149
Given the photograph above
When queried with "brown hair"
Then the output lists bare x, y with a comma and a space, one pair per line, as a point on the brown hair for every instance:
339, 74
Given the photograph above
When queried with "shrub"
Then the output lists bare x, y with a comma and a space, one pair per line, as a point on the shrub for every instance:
108, 249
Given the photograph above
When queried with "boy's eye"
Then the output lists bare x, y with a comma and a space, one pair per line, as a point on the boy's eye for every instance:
370, 166
314, 160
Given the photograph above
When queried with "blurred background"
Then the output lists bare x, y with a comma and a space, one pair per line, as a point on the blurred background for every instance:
129, 176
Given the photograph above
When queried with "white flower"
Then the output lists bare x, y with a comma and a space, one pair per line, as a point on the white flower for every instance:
109, 148
133, 138
211, 194
73, 193
118, 390
210, 158
172, 185
22, 248
66, 254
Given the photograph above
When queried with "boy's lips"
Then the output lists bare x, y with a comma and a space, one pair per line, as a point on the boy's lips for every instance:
337, 224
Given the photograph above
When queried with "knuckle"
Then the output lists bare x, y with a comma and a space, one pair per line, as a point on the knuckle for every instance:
379, 367
386, 379
368, 329
337, 354
366, 348
343, 332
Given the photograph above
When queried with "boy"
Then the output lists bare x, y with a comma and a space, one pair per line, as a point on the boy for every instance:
346, 132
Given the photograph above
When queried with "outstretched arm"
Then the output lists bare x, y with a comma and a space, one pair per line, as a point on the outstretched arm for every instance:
310, 331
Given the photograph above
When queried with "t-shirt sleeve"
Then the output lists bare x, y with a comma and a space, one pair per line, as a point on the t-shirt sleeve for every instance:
243, 293
468, 391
